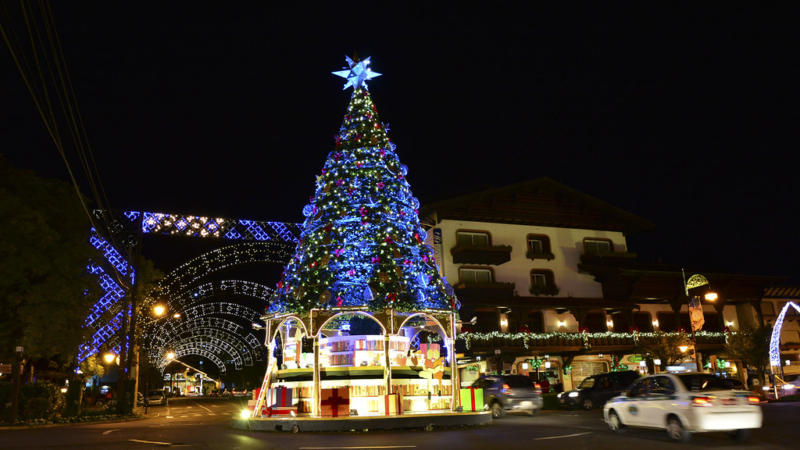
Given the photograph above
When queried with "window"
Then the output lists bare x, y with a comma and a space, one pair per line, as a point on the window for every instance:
475, 275
641, 321
596, 245
472, 238
661, 386
767, 309
596, 322
542, 278
536, 322
487, 322
538, 243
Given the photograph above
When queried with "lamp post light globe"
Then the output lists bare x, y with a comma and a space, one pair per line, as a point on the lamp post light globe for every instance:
109, 357
683, 348
170, 356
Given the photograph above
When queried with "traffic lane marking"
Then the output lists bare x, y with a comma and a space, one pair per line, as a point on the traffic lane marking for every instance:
562, 436
110, 431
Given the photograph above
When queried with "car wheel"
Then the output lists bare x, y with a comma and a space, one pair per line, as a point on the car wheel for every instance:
587, 404
677, 432
740, 435
615, 423
497, 410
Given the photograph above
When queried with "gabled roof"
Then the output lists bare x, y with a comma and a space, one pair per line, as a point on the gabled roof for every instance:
542, 202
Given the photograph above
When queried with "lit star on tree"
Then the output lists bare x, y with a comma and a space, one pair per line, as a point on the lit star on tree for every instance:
358, 73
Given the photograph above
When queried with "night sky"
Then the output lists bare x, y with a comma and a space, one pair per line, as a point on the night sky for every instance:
685, 116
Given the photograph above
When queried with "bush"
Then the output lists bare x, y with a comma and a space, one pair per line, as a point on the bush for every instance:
40, 390
37, 408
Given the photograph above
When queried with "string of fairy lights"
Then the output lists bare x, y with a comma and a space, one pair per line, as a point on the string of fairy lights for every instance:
190, 273
584, 338
361, 244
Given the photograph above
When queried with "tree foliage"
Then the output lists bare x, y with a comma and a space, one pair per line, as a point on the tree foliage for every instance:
666, 347
43, 279
751, 346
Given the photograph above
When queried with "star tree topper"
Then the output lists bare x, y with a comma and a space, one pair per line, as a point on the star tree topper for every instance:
358, 73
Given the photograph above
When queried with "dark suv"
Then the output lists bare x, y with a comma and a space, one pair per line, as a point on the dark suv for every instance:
597, 389
503, 393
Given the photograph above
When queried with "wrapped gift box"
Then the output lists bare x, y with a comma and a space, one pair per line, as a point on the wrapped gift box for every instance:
471, 399
279, 396
429, 351
278, 411
390, 405
335, 402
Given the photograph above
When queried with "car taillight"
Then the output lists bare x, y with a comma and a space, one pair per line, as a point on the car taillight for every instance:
701, 401
753, 400
537, 388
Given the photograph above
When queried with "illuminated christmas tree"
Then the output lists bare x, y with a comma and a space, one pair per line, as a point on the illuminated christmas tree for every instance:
362, 244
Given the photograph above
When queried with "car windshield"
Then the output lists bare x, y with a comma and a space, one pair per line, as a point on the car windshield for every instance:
703, 382
587, 383
518, 381
155, 392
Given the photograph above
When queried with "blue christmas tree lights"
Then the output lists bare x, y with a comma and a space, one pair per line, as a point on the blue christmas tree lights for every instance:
361, 244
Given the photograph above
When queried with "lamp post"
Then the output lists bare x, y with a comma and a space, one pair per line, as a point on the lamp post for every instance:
159, 312
171, 357
694, 281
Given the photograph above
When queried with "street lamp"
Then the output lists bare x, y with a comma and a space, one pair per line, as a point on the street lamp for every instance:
694, 281
109, 357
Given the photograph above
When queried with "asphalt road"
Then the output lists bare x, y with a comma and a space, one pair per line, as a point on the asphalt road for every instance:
205, 423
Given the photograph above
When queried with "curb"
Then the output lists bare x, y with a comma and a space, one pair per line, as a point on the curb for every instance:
53, 425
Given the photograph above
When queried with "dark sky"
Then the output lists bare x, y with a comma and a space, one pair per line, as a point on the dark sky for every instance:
685, 116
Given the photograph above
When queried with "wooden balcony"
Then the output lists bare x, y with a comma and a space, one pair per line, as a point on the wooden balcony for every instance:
608, 258
485, 291
481, 254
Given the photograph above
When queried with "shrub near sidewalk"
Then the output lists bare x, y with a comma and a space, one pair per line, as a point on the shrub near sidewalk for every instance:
40, 400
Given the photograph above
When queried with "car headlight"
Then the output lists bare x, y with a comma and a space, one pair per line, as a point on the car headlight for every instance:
573, 394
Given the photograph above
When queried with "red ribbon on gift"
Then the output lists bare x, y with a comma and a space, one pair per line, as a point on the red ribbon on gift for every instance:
472, 398
334, 401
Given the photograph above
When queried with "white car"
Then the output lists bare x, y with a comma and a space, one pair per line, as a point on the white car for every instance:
683, 404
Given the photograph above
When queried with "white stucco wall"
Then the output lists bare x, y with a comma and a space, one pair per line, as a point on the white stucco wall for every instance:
566, 244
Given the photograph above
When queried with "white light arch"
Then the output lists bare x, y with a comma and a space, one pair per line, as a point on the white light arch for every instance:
775, 341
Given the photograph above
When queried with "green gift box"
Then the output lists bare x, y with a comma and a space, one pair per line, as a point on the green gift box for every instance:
471, 399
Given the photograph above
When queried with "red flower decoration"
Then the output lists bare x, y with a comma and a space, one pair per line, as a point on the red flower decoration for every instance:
388, 240
339, 182
380, 185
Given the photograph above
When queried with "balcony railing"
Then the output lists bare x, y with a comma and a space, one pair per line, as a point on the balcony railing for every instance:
481, 254
540, 255
544, 290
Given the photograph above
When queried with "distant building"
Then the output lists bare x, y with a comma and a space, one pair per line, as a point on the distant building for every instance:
542, 257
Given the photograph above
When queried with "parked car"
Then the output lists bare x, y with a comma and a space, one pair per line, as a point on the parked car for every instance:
596, 390
157, 397
503, 393
683, 404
